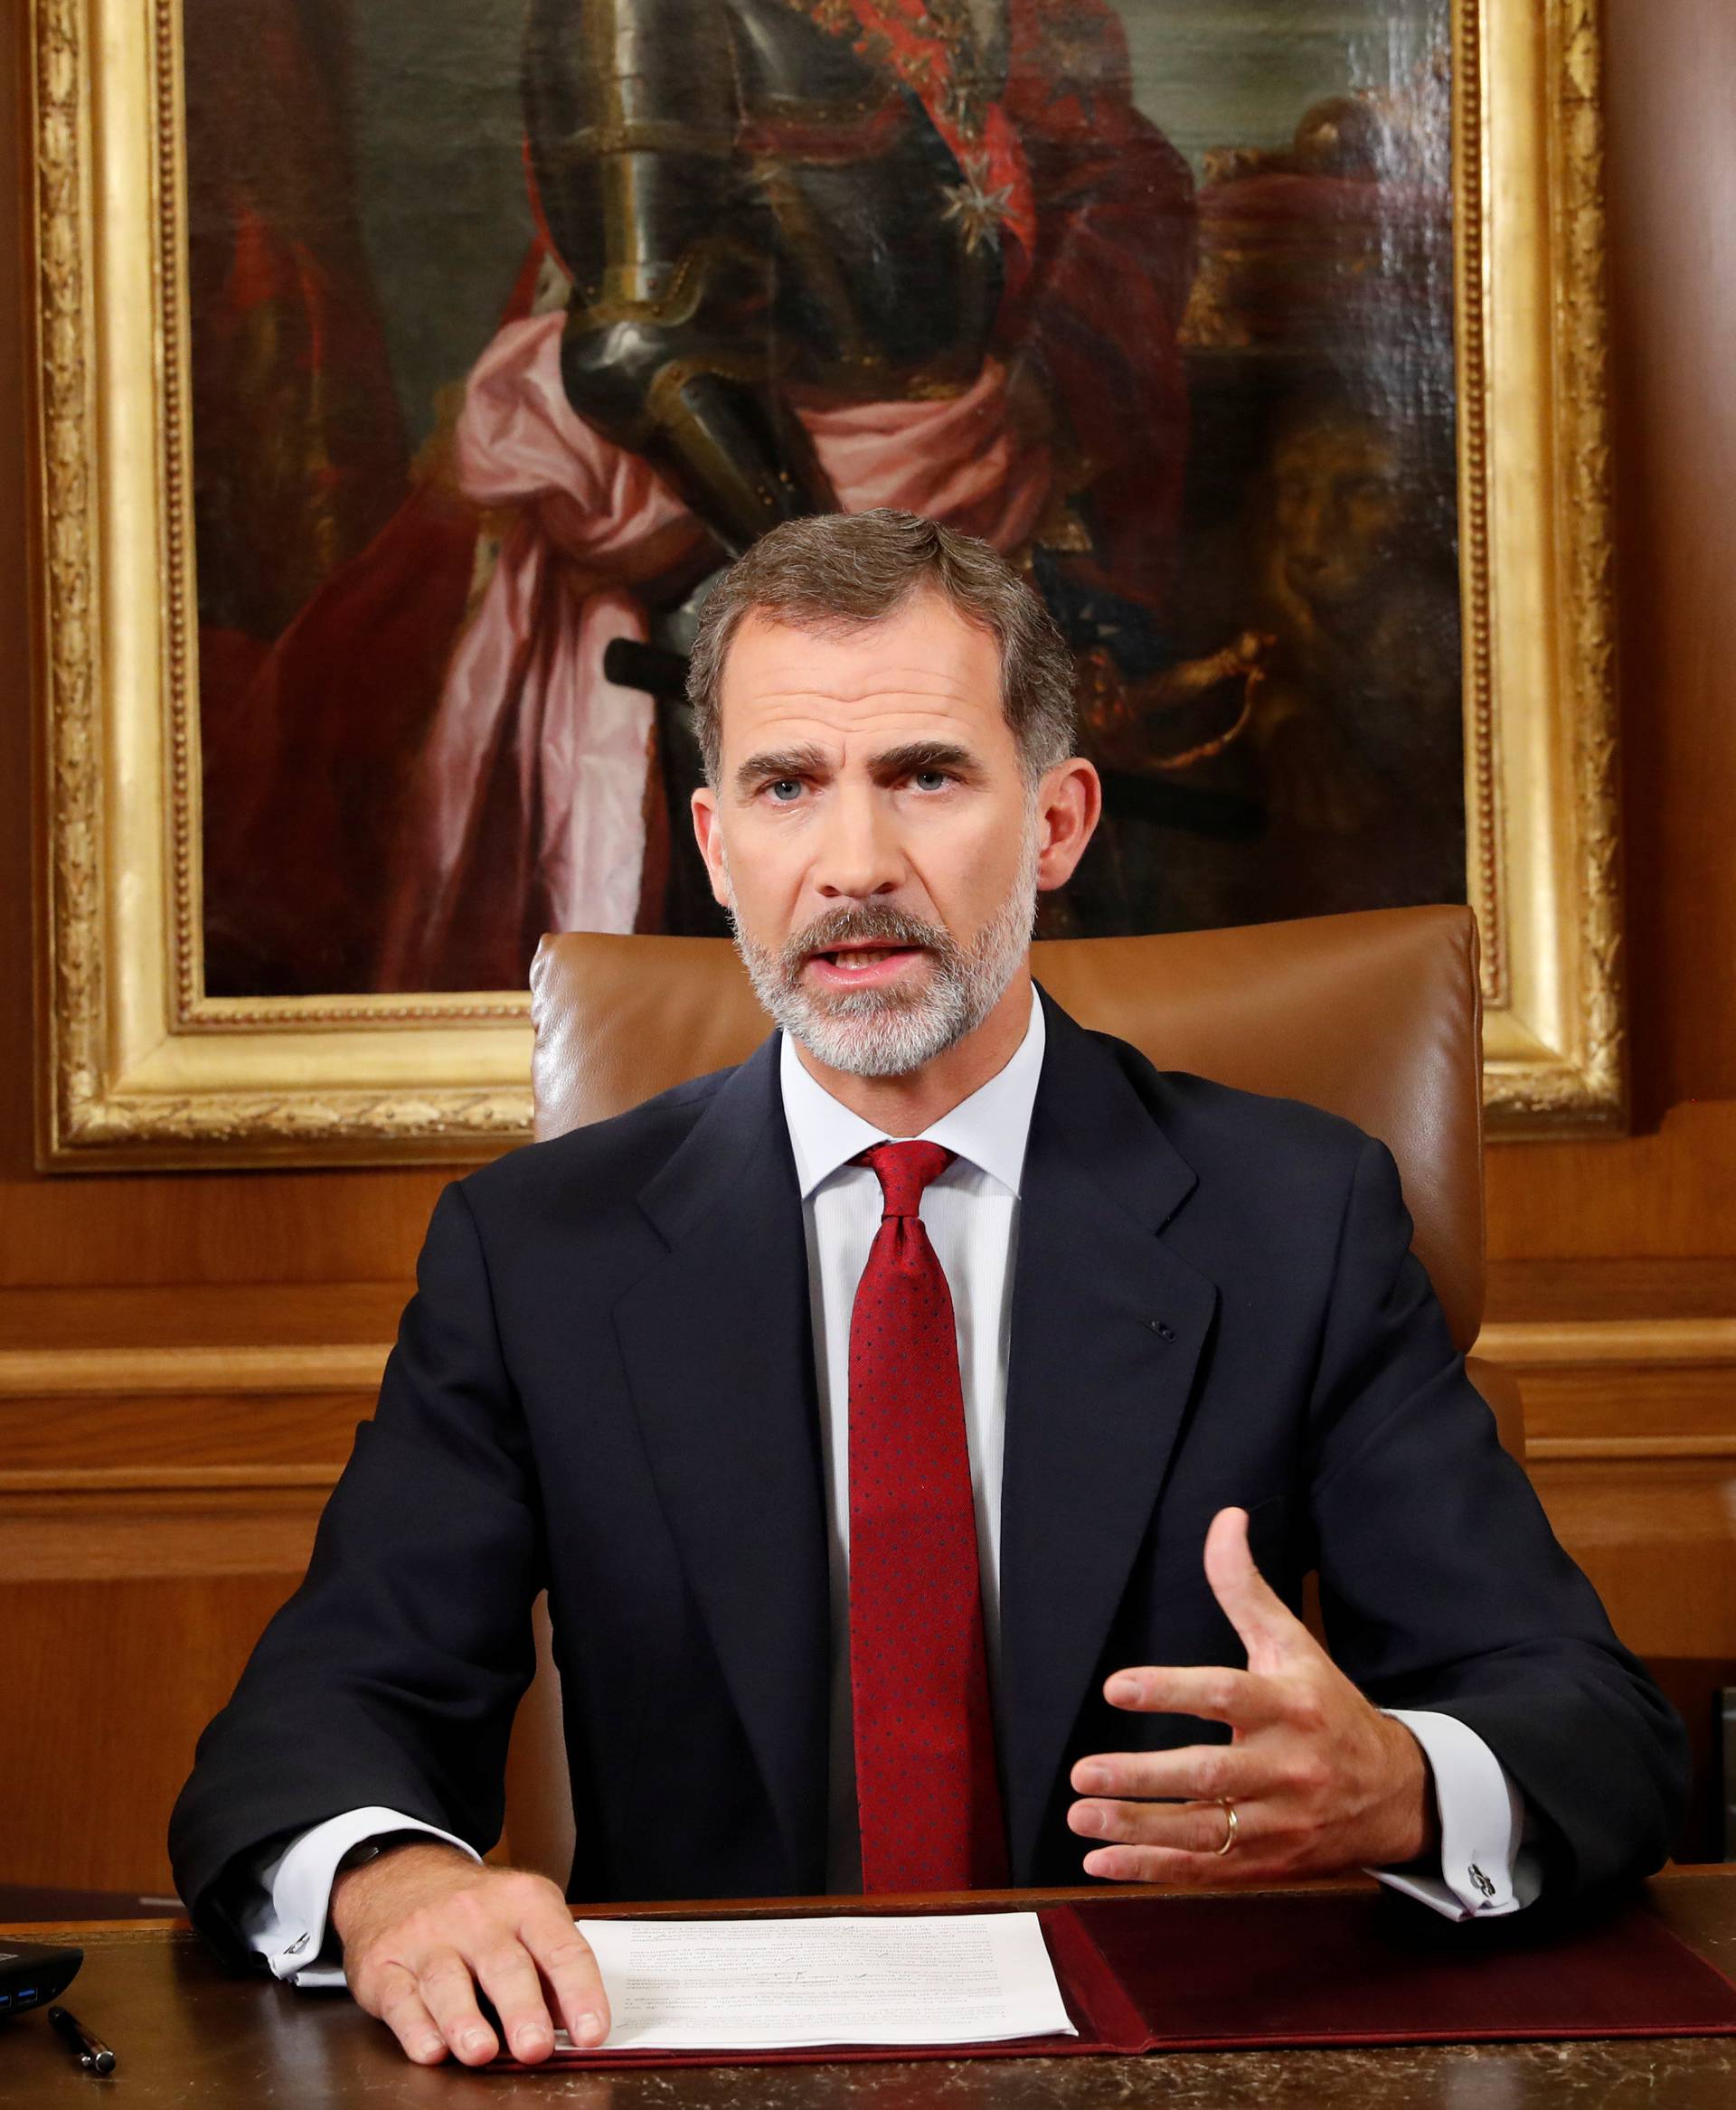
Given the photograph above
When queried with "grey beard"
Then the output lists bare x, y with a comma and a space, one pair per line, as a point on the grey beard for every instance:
889, 1032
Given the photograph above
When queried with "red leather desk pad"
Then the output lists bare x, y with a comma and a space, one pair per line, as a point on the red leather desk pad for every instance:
1236, 1972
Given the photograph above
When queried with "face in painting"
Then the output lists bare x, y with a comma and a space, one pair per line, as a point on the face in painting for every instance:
1339, 505
875, 836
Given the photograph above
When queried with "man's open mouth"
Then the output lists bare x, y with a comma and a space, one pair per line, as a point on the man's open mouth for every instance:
863, 963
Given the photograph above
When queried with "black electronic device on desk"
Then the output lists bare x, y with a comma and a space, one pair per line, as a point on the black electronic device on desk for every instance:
32, 1973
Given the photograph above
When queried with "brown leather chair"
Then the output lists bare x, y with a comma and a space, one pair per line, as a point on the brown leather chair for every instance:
1375, 1016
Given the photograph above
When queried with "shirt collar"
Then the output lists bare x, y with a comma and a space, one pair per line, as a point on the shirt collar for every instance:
989, 1129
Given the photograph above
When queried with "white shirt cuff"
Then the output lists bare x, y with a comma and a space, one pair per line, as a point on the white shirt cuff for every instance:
1487, 1871
284, 1920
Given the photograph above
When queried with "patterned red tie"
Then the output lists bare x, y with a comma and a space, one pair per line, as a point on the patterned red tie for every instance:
926, 1786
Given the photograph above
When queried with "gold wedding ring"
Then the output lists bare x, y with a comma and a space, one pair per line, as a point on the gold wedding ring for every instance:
1230, 1828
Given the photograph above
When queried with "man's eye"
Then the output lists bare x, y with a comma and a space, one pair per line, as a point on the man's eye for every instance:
930, 779
783, 789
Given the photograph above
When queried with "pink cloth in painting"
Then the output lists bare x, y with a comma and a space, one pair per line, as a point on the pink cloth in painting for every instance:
526, 685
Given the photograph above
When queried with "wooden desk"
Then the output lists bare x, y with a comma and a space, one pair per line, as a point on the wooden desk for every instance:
186, 2034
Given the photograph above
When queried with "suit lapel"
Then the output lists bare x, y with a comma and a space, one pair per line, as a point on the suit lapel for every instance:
718, 1346
1108, 1328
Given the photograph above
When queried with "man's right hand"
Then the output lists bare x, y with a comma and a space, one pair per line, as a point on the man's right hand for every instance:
423, 1926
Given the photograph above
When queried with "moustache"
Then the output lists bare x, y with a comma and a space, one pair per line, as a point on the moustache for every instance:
870, 925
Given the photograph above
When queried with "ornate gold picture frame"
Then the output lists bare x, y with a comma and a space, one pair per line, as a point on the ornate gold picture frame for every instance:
140, 1066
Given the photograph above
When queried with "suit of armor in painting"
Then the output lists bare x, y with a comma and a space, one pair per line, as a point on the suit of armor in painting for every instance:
752, 210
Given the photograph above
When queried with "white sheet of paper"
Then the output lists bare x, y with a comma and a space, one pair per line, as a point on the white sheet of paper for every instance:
762, 1984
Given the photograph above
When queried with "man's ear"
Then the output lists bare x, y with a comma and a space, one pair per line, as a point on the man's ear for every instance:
1070, 803
708, 835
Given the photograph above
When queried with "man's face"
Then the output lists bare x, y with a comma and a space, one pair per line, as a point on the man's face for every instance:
874, 834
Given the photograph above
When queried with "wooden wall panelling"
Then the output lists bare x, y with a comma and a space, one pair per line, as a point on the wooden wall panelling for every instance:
1651, 1533
146, 1537
109, 1680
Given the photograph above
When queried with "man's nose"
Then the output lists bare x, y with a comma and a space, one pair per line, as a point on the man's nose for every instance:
859, 853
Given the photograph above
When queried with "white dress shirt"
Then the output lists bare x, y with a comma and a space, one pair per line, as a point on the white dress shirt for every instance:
971, 1211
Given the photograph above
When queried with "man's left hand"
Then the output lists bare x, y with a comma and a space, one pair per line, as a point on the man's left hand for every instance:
1320, 1779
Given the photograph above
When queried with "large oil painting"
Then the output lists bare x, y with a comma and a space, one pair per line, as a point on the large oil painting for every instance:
408, 374
511, 320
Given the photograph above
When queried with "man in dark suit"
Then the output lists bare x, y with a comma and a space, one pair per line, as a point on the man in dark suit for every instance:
916, 1429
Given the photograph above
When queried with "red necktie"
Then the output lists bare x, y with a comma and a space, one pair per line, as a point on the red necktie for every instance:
926, 1786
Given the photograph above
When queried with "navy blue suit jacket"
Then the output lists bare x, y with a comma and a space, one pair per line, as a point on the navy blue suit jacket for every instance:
605, 1385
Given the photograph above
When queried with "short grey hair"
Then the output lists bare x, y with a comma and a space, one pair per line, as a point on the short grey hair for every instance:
833, 573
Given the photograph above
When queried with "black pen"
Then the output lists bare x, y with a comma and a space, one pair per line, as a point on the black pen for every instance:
91, 2053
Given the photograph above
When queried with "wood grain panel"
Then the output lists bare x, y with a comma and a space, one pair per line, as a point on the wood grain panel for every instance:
1628, 1388
1632, 1343
1657, 1537
53, 1433
1670, 1192
235, 1521
1628, 1407
182, 1375
199, 1315
1542, 1289
109, 1682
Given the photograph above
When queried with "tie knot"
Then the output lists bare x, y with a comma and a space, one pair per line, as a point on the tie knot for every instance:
903, 1171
